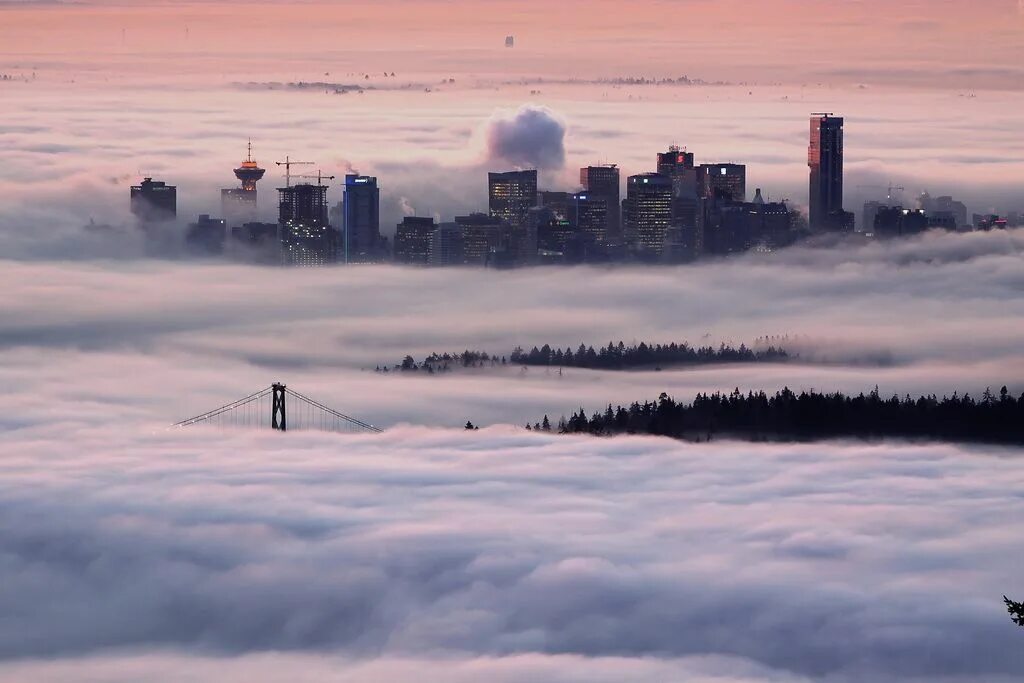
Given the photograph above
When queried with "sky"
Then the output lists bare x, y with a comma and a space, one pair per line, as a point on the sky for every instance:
105, 93
130, 551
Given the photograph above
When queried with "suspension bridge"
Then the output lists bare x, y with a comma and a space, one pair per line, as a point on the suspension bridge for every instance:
278, 407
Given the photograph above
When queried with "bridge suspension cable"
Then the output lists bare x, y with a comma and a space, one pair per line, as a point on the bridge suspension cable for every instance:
270, 402
224, 408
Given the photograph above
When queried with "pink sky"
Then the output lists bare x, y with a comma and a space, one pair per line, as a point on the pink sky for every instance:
782, 40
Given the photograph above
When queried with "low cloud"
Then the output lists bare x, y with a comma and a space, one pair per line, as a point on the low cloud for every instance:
787, 562
939, 313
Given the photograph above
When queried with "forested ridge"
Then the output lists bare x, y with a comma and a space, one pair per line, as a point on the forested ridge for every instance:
614, 356
996, 418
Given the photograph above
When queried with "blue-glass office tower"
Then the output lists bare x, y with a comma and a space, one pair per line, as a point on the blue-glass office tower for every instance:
361, 241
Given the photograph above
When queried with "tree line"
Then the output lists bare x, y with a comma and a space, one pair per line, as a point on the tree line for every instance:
614, 356
445, 362
619, 356
811, 415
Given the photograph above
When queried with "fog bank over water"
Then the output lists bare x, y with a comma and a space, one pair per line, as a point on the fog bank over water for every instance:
506, 553
939, 313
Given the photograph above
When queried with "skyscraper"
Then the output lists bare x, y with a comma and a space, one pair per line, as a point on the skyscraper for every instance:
589, 215
511, 195
361, 229
646, 211
480, 234
722, 181
446, 245
677, 164
674, 159
153, 200
206, 236
307, 239
556, 201
412, 240
602, 182
825, 159
238, 204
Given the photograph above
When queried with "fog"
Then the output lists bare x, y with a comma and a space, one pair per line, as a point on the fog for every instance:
503, 553
939, 313
131, 551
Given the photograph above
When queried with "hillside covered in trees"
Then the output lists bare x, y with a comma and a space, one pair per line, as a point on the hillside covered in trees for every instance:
995, 418
615, 356
619, 356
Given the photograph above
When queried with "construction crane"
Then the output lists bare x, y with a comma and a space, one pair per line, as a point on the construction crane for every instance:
320, 177
888, 189
288, 163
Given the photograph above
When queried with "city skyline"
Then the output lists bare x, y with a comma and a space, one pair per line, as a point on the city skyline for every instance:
680, 211
445, 341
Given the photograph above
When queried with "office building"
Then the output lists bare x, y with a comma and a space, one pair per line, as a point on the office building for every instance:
511, 194
825, 160
735, 227
556, 201
553, 233
412, 240
678, 165
446, 245
361, 241
481, 234
895, 221
307, 238
722, 181
256, 242
154, 201
871, 210
589, 215
988, 222
945, 205
603, 182
674, 161
647, 211
206, 236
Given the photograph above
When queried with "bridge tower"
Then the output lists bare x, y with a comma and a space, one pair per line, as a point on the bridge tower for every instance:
278, 418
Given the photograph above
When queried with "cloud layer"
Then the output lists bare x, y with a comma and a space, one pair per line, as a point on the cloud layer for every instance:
819, 562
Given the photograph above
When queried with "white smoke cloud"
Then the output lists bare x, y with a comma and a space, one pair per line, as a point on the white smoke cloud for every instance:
406, 207
530, 137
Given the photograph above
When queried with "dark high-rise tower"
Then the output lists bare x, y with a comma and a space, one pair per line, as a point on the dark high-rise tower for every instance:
307, 239
674, 160
646, 211
825, 159
153, 200
361, 227
589, 214
602, 182
413, 238
238, 204
722, 181
511, 195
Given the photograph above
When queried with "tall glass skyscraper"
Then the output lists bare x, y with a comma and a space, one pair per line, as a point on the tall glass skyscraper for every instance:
361, 229
646, 211
825, 159
511, 195
602, 182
